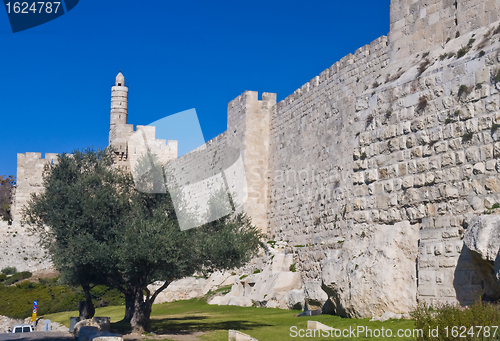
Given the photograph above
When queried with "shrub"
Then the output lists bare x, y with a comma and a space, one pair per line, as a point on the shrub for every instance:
457, 34
479, 86
481, 53
388, 114
257, 271
10, 270
462, 52
425, 55
463, 90
457, 112
495, 205
422, 103
460, 323
293, 268
496, 76
363, 156
471, 41
494, 127
467, 137
375, 84
17, 277
443, 56
369, 119
423, 66
447, 121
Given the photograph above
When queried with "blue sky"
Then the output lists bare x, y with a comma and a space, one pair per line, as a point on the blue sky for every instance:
55, 79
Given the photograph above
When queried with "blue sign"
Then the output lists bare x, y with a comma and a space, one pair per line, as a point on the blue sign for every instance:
35, 303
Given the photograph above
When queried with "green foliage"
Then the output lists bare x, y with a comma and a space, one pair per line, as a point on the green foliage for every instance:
443, 56
293, 268
479, 86
257, 271
388, 114
52, 297
104, 230
467, 137
10, 270
496, 76
446, 317
495, 205
300, 245
447, 121
363, 156
471, 41
375, 84
481, 53
494, 128
243, 276
17, 277
463, 90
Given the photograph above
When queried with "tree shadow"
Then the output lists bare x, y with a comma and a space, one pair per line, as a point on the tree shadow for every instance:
175, 325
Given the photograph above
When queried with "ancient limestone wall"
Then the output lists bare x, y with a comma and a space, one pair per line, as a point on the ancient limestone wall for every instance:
420, 25
29, 178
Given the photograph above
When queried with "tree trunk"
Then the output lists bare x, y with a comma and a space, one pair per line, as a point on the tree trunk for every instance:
86, 308
129, 307
140, 321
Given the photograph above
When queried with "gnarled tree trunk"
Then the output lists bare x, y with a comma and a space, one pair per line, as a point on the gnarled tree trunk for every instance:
86, 308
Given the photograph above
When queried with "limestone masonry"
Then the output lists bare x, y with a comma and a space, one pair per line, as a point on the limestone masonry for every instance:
367, 176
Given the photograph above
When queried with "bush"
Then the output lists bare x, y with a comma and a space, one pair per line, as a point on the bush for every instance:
457, 320
422, 103
293, 268
463, 90
10, 270
17, 277
423, 66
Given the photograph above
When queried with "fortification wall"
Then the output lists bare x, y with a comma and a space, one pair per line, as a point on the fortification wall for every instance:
417, 26
29, 179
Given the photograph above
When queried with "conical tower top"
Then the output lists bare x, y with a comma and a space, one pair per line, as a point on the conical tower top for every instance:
120, 80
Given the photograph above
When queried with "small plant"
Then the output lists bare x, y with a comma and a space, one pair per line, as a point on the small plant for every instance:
495, 205
243, 276
388, 114
479, 86
462, 52
463, 90
423, 66
425, 55
494, 128
233, 274
357, 134
257, 271
448, 40
293, 268
340, 242
363, 156
457, 34
447, 121
471, 41
422, 103
300, 245
467, 137
481, 53
457, 112
496, 76
10, 270
497, 30
375, 84
443, 56
357, 80
369, 119
373, 93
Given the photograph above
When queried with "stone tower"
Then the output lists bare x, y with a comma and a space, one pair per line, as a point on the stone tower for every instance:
119, 130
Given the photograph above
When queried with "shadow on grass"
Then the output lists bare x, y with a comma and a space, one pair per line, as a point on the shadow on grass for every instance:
169, 325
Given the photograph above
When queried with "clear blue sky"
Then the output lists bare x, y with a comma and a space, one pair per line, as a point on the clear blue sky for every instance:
55, 79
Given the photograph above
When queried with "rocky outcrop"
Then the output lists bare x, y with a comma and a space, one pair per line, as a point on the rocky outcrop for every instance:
482, 240
273, 287
374, 271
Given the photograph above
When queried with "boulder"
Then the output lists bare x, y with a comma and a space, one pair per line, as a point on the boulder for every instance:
85, 323
373, 271
315, 296
295, 299
482, 240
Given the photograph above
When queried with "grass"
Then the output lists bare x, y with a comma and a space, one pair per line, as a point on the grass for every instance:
261, 323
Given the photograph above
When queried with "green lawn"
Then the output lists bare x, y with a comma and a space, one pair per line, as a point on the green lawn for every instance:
261, 323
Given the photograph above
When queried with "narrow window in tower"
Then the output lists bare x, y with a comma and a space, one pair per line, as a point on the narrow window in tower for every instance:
119, 116
119, 84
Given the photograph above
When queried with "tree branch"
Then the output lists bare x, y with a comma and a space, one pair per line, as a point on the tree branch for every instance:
160, 289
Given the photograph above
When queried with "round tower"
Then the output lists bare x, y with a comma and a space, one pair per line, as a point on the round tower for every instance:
119, 101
